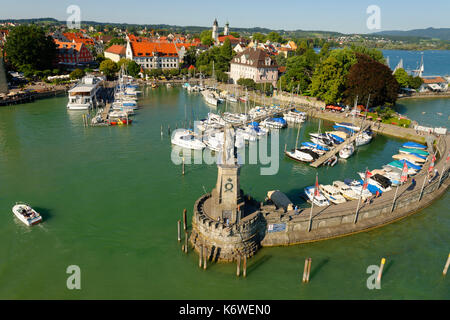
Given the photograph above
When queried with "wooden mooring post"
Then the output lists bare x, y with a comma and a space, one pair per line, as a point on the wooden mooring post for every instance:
200, 256
244, 271
238, 265
307, 269
184, 220
205, 256
444, 273
380, 273
186, 242
179, 230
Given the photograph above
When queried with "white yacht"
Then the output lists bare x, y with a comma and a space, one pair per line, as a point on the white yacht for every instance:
345, 190
363, 138
186, 139
318, 200
26, 214
209, 97
347, 151
331, 193
294, 116
82, 96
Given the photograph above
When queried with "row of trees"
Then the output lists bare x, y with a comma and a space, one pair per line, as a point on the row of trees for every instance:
219, 57
339, 76
407, 81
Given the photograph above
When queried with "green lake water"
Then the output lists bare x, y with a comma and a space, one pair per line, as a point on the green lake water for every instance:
111, 197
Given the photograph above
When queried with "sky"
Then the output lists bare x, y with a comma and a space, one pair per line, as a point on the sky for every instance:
346, 16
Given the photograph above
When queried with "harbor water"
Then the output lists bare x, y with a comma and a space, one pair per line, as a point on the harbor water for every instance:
110, 198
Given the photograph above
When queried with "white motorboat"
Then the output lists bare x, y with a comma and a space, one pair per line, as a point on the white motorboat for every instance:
209, 97
274, 123
383, 186
332, 194
26, 214
186, 139
214, 140
294, 116
318, 200
347, 151
357, 187
346, 190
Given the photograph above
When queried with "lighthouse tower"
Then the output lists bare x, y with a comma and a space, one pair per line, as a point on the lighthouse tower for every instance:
215, 31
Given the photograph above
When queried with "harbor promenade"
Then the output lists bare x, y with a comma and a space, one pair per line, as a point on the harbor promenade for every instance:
339, 220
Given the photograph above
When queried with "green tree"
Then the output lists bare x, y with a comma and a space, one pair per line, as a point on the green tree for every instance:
299, 70
131, 66
119, 41
259, 37
247, 83
108, 68
329, 79
274, 37
77, 74
29, 47
402, 78
415, 82
206, 38
235, 34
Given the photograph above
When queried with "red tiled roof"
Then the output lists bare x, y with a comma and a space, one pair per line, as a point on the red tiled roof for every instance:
146, 49
116, 49
232, 38
433, 80
68, 45
191, 67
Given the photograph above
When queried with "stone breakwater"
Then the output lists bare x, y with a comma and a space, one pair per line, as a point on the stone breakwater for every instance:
271, 226
338, 220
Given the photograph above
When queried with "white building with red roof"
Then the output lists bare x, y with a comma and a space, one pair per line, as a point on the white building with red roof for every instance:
115, 52
434, 84
153, 55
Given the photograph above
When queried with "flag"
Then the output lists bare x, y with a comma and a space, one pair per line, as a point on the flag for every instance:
316, 187
366, 178
432, 164
448, 157
404, 176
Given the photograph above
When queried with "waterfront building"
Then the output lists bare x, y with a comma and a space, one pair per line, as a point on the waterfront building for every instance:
256, 64
72, 53
436, 84
115, 52
153, 55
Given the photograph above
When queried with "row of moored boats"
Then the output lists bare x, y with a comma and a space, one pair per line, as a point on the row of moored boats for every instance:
411, 156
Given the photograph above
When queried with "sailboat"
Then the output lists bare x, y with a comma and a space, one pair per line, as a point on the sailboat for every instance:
420, 70
399, 66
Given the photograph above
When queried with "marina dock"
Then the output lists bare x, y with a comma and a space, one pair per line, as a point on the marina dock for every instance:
336, 149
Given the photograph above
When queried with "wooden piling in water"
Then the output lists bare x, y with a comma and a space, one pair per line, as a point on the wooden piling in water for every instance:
309, 269
305, 270
186, 242
205, 256
446, 266
179, 230
182, 167
200, 256
380, 273
238, 265
244, 271
184, 220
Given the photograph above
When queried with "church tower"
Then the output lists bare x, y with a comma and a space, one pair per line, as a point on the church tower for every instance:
215, 31
226, 30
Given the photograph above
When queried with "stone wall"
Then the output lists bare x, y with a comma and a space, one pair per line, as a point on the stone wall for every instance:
369, 217
224, 243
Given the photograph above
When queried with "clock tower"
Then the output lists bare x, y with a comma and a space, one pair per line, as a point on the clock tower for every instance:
227, 197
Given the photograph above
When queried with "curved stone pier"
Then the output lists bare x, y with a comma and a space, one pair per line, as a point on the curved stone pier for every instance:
338, 220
